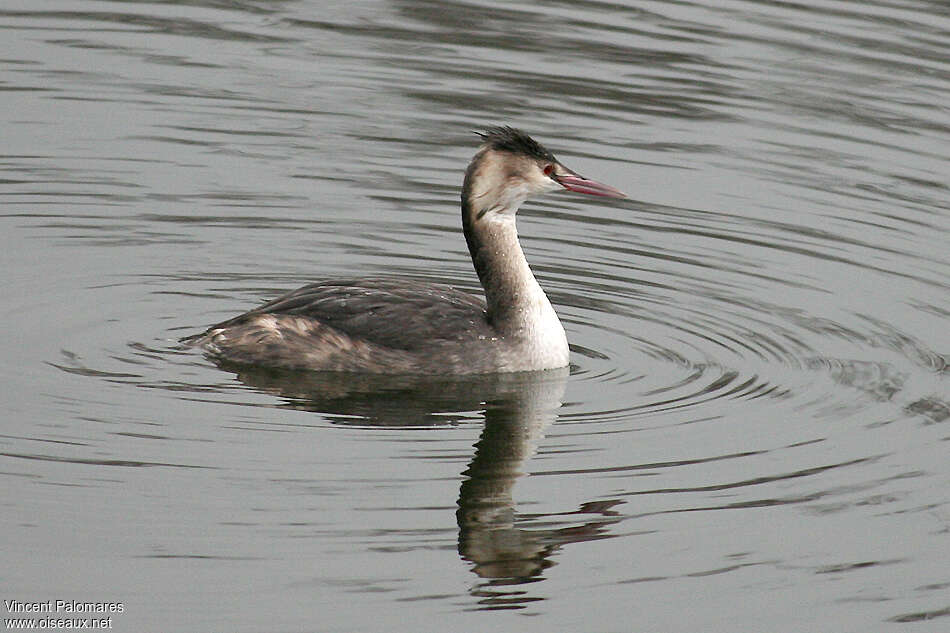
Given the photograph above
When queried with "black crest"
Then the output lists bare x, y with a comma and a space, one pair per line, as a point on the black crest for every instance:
508, 139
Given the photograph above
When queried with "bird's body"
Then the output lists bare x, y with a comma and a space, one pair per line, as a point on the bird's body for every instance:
396, 326
377, 325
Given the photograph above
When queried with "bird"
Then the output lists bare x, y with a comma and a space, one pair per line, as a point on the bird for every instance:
381, 325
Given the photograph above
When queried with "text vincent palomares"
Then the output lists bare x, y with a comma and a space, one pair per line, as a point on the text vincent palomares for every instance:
63, 606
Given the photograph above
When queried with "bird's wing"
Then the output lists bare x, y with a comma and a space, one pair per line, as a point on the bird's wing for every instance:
405, 315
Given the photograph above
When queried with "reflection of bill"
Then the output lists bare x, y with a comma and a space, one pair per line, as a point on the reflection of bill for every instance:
490, 532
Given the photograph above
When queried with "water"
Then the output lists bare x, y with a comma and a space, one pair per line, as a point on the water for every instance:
754, 431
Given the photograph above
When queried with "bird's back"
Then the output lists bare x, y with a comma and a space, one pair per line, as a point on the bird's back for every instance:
360, 325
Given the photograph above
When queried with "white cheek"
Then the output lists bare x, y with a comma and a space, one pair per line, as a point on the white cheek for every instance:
511, 197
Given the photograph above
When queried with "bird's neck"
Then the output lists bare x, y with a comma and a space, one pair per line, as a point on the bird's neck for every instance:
517, 306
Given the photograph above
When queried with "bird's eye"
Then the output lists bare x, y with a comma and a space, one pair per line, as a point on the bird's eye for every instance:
548, 170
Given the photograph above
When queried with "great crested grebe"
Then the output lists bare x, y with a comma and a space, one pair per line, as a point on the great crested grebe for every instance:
406, 327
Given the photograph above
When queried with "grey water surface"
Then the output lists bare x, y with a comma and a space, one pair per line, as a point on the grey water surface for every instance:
754, 434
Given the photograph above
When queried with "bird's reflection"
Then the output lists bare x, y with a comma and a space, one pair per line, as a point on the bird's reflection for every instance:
503, 546
489, 536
